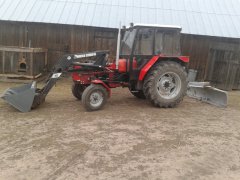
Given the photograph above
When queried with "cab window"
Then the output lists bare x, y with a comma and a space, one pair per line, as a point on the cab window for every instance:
159, 42
144, 42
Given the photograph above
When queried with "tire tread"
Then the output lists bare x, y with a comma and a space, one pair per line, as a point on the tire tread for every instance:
148, 84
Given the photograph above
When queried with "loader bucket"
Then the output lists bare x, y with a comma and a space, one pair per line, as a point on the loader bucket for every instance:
21, 97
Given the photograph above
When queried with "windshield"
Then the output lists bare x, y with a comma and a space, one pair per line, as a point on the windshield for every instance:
127, 42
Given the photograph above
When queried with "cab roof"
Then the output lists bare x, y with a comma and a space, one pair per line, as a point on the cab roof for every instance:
156, 26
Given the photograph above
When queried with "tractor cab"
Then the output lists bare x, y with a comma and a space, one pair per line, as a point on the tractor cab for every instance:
141, 43
149, 40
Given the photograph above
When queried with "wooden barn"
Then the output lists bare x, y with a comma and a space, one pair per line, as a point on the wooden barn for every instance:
35, 33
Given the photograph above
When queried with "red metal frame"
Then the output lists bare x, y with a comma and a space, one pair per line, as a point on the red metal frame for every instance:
87, 78
144, 70
97, 81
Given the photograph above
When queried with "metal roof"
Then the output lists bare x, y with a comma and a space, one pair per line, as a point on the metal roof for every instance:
202, 17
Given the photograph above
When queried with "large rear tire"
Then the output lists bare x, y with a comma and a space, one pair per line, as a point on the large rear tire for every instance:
77, 90
165, 84
94, 97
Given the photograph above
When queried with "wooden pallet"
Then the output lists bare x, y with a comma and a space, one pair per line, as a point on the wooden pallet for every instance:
21, 78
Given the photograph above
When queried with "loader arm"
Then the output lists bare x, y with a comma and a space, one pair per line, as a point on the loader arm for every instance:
58, 69
27, 97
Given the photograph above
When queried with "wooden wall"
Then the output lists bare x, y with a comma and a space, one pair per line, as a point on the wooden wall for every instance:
216, 59
58, 39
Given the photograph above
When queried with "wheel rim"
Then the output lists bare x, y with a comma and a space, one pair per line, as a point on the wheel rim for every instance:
169, 85
96, 99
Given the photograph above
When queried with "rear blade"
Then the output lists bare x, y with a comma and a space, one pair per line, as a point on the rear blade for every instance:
206, 93
21, 97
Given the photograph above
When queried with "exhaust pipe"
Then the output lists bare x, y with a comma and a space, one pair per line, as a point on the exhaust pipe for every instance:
118, 45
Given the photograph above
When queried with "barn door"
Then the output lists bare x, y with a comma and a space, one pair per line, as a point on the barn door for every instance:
237, 77
222, 68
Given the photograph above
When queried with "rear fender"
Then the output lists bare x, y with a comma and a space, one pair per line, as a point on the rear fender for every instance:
97, 81
155, 59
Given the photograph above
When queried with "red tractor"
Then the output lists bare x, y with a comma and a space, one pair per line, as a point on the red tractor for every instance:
150, 65
148, 62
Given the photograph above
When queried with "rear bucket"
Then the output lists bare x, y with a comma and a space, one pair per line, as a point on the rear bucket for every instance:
206, 93
21, 97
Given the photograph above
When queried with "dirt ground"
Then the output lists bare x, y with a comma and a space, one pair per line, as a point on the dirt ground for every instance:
128, 139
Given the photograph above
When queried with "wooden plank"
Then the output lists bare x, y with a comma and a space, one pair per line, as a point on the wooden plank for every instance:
27, 79
46, 60
20, 76
31, 64
3, 61
72, 39
21, 49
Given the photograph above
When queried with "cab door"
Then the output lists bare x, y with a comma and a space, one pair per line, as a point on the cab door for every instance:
142, 51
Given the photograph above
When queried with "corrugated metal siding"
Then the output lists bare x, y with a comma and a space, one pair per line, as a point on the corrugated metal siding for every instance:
201, 17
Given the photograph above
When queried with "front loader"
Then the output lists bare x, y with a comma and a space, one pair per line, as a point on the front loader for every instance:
149, 64
27, 97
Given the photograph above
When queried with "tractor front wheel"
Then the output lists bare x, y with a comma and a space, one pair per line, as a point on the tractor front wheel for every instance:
165, 84
77, 90
94, 97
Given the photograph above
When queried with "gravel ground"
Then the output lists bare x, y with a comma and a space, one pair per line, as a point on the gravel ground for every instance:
128, 139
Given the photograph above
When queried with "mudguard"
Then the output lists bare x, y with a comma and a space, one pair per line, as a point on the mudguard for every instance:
145, 69
97, 81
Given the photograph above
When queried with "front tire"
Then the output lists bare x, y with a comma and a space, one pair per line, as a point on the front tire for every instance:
165, 84
94, 97
77, 90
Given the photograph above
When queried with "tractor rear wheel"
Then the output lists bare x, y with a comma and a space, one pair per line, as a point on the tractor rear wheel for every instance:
94, 97
77, 90
165, 84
